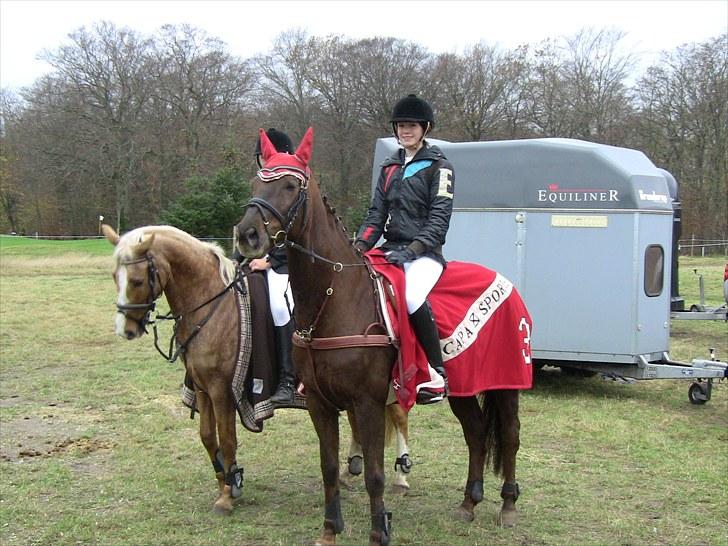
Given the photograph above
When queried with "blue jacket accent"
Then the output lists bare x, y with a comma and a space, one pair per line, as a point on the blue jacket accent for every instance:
413, 167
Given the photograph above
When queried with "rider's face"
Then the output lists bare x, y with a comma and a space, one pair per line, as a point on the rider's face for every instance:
410, 134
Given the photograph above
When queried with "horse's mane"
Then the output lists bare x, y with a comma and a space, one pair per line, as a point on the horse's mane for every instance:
124, 248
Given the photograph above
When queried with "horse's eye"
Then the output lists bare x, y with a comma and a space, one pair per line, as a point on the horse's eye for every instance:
136, 283
290, 186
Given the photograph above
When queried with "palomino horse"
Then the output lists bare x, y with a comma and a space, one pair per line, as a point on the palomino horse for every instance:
342, 367
197, 280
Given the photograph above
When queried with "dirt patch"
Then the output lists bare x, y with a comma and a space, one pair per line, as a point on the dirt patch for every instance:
29, 437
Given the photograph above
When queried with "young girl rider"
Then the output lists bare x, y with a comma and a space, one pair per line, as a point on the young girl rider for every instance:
275, 266
411, 208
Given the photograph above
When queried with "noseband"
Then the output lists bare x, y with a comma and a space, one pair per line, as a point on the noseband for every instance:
148, 307
286, 222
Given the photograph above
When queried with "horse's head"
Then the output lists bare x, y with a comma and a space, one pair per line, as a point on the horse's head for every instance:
137, 279
279, 194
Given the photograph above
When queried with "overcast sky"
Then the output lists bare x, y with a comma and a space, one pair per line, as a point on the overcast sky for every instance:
249, 27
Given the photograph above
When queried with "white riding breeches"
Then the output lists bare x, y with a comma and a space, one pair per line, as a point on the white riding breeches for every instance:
420, 277
277, 288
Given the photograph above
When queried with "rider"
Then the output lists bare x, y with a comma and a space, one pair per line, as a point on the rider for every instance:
411, 207
275, 266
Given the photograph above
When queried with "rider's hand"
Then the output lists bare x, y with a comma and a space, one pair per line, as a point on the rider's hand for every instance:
259, 264
399, 257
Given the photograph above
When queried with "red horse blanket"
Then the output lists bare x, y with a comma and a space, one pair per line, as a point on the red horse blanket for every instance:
484, 327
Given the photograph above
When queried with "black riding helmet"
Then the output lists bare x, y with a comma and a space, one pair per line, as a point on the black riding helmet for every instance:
413, 108
280, 140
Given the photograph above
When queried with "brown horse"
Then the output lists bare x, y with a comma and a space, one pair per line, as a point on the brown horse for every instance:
197, 278
342, 367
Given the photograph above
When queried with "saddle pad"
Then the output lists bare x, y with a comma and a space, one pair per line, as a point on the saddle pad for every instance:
484, 327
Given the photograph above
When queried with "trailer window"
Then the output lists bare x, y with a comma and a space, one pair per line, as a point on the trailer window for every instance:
654, 270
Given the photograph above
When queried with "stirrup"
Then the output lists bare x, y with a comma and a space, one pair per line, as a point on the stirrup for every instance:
425, 396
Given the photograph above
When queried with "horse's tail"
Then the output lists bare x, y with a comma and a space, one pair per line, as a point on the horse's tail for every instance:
494, 446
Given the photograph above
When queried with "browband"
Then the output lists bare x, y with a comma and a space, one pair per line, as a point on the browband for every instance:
268, 175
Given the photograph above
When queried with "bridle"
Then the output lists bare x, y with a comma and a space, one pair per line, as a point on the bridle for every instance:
286, 222
150, 305
171, 355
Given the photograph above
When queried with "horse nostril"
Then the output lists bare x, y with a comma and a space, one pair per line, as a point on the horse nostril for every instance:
251, 236
129, 334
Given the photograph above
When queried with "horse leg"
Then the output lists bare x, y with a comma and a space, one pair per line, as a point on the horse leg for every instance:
326, 423
403, 464
208, 435
233, 476
370, 419
355, 458
506, 402
472, 420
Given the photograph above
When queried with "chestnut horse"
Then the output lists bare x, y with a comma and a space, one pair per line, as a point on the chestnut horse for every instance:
341, 367
197, 280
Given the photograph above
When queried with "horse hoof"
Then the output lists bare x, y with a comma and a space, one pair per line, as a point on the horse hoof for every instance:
507, 518
355, 465
222, 510
398, 489
464, 514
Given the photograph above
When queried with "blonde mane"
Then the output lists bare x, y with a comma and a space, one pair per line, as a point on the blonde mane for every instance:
125, 248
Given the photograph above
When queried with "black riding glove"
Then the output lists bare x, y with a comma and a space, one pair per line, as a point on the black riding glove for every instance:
398, 257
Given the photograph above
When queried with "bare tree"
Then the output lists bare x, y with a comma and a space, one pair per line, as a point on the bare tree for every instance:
106, 68
684, 127
578, 87
285, 93
477, 92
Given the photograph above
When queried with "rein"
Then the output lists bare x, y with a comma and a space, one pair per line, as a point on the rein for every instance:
171, 357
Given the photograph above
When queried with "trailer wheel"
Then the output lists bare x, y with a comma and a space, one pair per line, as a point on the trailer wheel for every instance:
698, 393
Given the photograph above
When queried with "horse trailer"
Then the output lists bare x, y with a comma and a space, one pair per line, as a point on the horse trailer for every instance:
587, 234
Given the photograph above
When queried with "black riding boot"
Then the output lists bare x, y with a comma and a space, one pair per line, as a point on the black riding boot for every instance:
425, 329
286, 375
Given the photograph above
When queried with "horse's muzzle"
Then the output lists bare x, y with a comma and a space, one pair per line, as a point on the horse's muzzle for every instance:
249, 241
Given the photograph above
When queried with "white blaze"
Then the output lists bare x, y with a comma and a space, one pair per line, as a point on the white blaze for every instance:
121, 300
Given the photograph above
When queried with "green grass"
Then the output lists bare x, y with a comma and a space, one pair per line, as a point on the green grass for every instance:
27, 246
96, 448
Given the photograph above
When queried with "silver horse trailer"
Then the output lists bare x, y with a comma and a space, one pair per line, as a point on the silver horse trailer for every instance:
585, 231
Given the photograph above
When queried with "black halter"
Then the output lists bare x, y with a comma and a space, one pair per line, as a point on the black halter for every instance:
149, 306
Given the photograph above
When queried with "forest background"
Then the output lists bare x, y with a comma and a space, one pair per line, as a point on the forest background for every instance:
144, 129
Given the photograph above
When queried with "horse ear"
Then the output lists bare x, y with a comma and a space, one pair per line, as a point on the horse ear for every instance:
110, 234
305, 149
267, 149
145, 243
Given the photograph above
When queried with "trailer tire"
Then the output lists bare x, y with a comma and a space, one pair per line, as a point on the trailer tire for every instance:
698, 393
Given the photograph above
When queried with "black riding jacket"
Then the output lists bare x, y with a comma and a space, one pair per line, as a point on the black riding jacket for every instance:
412, 203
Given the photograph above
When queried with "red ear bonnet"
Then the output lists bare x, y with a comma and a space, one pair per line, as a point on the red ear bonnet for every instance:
278, 161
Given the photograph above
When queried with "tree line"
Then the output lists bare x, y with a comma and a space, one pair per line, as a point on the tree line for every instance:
143, 129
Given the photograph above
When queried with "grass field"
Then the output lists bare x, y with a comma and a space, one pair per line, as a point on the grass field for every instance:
96, 448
